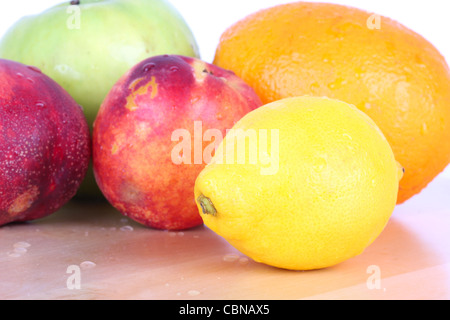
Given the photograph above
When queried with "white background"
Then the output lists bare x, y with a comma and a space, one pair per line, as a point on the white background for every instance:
209, 18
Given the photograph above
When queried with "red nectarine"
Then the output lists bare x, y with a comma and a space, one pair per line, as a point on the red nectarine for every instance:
135, 136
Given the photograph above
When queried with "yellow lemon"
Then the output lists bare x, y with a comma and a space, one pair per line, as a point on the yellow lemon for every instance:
301, 183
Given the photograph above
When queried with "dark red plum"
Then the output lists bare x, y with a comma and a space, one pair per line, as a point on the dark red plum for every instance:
44, 144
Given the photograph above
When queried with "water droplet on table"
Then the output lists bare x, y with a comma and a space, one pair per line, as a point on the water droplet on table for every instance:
20, 250
126, 228
22, 244
87, 265
193, 293
230, 257
14, 254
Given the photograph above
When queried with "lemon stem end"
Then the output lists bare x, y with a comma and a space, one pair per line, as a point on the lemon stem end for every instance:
206, 205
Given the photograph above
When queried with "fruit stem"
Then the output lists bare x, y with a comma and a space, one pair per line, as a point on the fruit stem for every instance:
207, 205
75, 2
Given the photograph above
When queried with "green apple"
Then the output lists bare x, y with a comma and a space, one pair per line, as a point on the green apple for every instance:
87, 45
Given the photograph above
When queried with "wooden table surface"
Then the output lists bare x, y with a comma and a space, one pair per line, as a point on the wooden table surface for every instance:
111, 257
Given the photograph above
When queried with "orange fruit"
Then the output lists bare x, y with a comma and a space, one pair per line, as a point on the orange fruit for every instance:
386, 70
